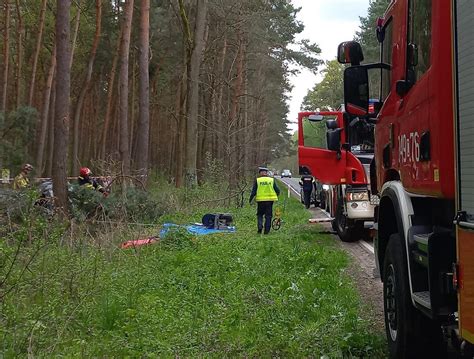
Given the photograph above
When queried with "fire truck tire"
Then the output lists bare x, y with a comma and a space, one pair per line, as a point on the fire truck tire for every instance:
322, 202
409, 333
347, 230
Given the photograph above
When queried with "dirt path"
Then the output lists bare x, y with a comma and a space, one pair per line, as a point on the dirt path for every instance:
363, 272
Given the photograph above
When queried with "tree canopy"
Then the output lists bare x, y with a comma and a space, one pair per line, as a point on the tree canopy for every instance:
329, 93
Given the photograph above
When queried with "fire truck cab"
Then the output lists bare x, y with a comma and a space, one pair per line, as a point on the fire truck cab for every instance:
423, 170
339, 156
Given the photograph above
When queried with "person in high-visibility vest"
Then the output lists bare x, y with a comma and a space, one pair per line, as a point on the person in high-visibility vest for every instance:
265, 191
22, 181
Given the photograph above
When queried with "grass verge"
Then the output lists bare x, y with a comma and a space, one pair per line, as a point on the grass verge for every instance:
244, 295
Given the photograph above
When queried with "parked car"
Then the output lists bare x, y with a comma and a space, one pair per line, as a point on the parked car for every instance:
286, 173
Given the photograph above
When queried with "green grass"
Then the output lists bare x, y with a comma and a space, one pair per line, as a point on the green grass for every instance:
232, 295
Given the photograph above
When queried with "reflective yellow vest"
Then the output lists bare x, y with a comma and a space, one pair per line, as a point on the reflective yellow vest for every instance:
20, 181
265, 190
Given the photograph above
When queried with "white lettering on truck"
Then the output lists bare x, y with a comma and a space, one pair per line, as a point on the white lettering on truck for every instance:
409, 147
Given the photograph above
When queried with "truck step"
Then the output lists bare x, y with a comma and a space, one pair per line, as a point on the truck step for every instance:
423, 298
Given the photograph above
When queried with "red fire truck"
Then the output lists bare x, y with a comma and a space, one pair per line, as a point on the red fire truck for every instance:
423, 170
337, 150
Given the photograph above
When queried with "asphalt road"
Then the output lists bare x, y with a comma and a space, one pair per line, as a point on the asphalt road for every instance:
293, 184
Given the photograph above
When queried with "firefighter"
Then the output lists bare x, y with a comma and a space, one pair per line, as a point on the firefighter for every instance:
265, 191
85, 180
22, 181
307, 183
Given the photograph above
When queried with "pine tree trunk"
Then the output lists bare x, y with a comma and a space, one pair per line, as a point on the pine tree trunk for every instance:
45, 114
234, 114
76, 32
63, 88
246, 123
110, 98
19, 56
85, 87
192, 109
181, 130
39, 43
132, 120
6, 55
144, 90
220, 120
124, 147
49, 169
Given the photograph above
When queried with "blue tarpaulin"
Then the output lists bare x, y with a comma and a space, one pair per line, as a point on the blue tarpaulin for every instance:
196, 229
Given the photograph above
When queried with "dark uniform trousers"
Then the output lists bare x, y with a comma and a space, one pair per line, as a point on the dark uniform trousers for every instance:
307, 197
264, 208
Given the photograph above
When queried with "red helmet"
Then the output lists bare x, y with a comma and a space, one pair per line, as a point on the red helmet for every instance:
85, 172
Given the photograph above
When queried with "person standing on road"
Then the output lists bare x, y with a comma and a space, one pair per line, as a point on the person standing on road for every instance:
307, 183
22, 181
265, 191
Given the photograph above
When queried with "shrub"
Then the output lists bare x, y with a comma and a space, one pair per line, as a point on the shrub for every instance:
134, 205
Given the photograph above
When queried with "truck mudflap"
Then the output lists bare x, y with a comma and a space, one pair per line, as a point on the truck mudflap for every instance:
465, 281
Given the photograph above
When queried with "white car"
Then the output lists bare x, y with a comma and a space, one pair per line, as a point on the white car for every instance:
286, 173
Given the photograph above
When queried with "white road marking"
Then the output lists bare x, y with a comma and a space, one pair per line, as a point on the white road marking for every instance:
366, 246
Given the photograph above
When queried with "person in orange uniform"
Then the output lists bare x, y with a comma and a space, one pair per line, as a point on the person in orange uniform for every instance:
265, 191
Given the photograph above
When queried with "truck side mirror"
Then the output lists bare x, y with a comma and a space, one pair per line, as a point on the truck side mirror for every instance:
356, 91
333, 138
350, 52
331, 124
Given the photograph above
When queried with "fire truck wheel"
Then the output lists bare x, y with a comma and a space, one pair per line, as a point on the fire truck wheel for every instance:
409, 333
322, 203
347, 230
